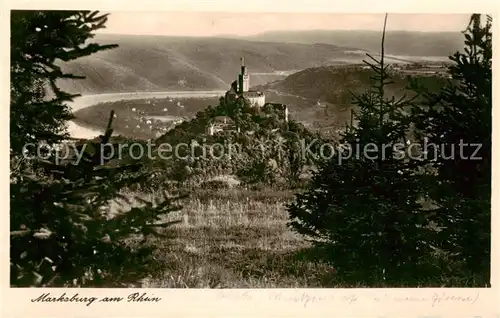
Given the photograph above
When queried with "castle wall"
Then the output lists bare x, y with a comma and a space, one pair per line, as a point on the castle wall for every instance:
257, 101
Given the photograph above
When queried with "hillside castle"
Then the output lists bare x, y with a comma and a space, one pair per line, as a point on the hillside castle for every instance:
241, 88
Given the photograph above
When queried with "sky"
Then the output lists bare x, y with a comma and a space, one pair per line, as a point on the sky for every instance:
243, 23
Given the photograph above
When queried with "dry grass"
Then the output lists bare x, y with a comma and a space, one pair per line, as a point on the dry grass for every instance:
236, 239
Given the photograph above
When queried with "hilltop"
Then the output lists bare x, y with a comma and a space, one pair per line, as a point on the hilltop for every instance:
156, 63
321, 97
404, 43
331, 84
163, 63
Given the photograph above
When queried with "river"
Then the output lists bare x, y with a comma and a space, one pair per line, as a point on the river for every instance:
78, 131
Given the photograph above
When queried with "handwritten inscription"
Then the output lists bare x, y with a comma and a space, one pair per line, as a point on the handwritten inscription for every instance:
306, 299
443, 297
76, 298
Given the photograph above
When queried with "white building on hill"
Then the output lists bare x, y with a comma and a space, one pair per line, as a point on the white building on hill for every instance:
221, 123
241, 88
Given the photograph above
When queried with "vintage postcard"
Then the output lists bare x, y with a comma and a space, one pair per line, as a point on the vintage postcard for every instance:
262, 159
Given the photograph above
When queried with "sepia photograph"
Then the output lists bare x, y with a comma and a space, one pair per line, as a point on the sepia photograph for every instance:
249, 150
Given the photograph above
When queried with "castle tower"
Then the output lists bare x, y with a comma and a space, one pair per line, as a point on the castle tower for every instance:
245, 78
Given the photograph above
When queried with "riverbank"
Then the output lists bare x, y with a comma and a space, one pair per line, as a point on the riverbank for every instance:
88, 123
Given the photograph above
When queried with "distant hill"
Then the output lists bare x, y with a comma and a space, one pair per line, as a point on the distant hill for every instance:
405, 43
331, 84
321, 96
155, 63
159, 63
328, 84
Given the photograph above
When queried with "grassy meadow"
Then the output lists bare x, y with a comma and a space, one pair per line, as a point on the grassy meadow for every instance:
235, 238
239, 238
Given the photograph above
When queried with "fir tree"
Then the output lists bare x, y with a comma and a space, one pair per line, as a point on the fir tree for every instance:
62, 234
362, 208
40, 40
461, 183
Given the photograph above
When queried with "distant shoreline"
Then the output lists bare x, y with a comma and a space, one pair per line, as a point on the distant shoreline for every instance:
84, 132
